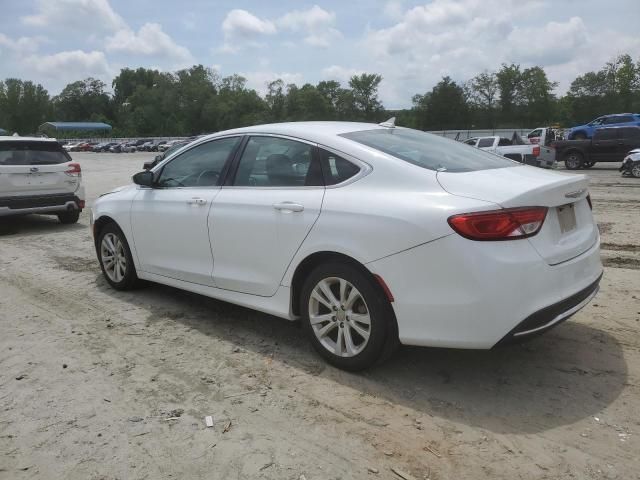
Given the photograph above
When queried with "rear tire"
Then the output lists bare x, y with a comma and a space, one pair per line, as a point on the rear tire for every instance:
115, 258
67, 218
635, 170
353, 324
573, 160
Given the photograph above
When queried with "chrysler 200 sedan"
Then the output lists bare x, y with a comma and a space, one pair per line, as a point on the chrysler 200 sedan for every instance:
371, 235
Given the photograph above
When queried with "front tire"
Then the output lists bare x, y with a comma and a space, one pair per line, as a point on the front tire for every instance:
573, 160
347, 318
70, 217
115, 258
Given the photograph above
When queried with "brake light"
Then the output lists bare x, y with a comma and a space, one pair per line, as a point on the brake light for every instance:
536, 151
74, 170
589, 201
506, 224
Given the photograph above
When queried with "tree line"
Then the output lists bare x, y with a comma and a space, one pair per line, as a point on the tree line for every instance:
146, 102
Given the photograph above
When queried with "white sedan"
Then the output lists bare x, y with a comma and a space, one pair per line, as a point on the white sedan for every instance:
371, 235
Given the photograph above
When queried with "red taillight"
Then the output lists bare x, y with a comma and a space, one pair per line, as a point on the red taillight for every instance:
536, 151
74, 170
589, 201
506, 224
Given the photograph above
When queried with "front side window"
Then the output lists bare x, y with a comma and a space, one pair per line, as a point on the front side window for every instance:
471, 141
597, 121
199, 166
428, 151
32, 153
277, 162
535, 133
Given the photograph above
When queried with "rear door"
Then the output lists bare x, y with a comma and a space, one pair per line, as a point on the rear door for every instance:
629, 139
29, 167
604, 145
258, 221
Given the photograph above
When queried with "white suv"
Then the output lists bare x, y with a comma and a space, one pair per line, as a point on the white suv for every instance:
38, 176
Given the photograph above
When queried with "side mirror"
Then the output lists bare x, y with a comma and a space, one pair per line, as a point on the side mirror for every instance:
144, 179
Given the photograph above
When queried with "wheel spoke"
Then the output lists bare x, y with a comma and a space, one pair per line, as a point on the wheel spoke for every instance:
320, 298
326, 290
109, 243
339, 341
353, 296
361, 318
315, 319
326, 329
348, 341
361, 331
343, 291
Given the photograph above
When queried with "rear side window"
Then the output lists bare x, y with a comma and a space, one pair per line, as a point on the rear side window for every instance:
630, 132
335, 168
485, 142
428, 151
606, 134
277, 162
32, 153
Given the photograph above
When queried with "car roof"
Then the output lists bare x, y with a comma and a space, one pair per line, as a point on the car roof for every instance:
313, 131
8, 138
616, 127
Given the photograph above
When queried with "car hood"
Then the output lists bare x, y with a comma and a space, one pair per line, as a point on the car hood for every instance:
119, 189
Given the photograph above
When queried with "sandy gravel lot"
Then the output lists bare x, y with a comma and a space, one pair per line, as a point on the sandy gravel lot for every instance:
99, 384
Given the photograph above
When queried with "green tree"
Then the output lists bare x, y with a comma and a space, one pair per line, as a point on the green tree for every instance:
84, 100
24, 106
509, 79
444, 108
364, 89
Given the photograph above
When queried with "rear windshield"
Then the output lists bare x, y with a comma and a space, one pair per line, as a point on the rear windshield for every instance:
32, 153
429, 151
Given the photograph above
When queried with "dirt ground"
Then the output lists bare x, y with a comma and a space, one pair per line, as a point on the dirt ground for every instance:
98, 384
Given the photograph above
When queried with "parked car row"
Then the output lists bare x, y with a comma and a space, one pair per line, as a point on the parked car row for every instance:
140, 145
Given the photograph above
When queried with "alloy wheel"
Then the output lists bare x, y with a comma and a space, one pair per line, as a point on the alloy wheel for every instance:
573, 161
114, 257
635, 170
339, 317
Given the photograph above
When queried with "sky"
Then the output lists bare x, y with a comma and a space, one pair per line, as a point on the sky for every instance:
412, 44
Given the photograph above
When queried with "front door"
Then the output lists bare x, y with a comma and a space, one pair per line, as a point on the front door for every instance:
169, 221
259, 221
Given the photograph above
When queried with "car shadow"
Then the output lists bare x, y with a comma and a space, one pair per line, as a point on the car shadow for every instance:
35, 225
568, 374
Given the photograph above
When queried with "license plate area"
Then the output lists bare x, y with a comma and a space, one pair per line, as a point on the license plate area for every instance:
566, 218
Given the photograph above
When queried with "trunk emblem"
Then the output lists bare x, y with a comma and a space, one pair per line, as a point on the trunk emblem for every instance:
575, 194
33, 169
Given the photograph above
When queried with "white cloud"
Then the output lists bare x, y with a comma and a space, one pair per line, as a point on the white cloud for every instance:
85, 15
556, 42
342, 74
74, 64
259, 80
20, 46
150, 40
316, 23
463, 38
241, 28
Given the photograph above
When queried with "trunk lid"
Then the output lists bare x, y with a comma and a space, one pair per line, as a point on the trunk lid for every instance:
569, 228
36, 179
35, 167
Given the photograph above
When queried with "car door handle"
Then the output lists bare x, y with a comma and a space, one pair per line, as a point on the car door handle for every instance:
288, 206
196, 201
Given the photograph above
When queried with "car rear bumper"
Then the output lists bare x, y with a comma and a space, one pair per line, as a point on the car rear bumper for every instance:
51, 203
551, 316
459, 293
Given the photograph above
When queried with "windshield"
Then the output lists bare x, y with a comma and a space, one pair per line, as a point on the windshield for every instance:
32, 153
429, 151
